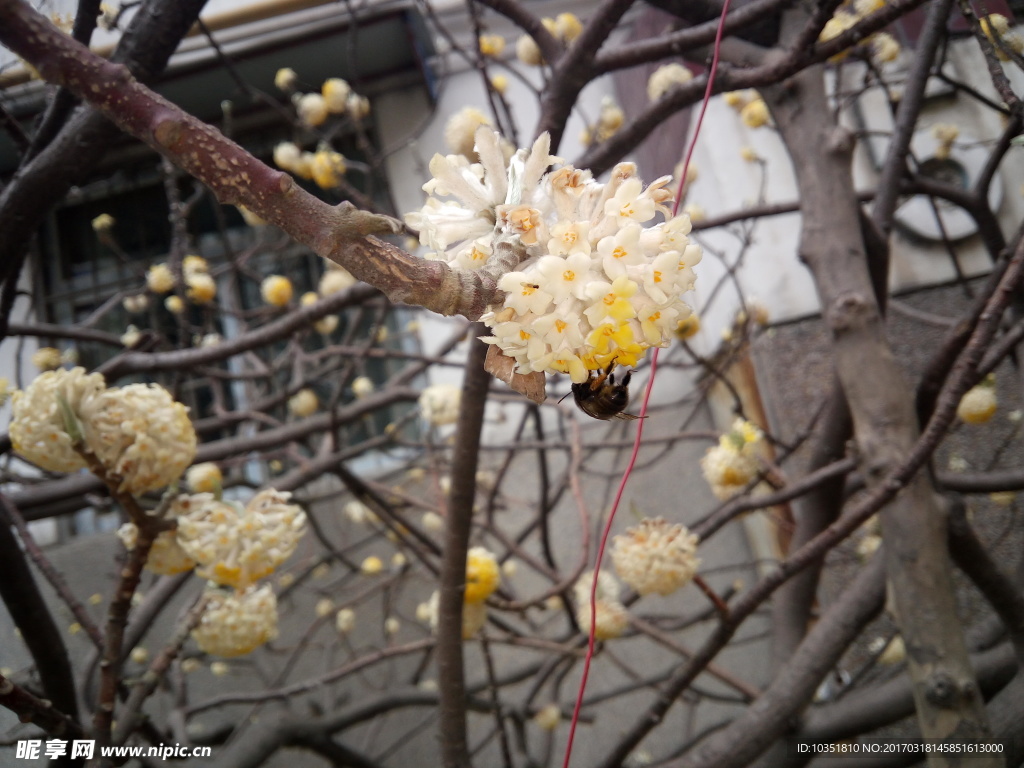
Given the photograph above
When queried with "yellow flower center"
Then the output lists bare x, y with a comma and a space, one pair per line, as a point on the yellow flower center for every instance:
609, 299
654, 317
528, 290
619, 252
568, 275
477, 255
561, 325
524, 335
569, 238
657, 276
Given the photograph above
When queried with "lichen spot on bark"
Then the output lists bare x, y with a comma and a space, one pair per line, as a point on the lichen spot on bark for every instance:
167, 133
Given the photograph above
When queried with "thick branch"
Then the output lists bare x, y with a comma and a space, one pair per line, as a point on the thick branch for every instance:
340, 233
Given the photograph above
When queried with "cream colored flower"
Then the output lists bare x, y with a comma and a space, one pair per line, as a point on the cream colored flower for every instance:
528, 52
978, 404
285, 79
334, 280
439, 404
324, 607
303, 403
362, 386
460, 130
235, 546
734, 463
276, 290
345, 620
136, 304
47, 359
205, 478
656, 556
141, 435
139, 655
238, 623
482, 575
499, 83
612, 619
174, 305
327, 324
312, 109
336, 92
432, 521
5, 390
665, 78
884, 47
103, 223
37, 427
220, 668
159, 278
391, 626
371, 565
357, 107
358, 512
287, 156
202, 289
548, 717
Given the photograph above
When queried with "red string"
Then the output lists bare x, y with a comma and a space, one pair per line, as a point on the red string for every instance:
643, 410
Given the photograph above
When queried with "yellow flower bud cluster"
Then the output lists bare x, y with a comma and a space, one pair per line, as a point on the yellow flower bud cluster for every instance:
482, 575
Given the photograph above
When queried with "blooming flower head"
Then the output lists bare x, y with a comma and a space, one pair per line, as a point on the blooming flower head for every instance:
372, 565
345, 620
656, 556
312, 109
439, 404
235, 546
601, 282
238, 623
159, 278
755, 114
202, 289
204, 478
141, 435
276, 290
482, 575
610, 622
335, 92
528, 52
665, 78
548, 717
734, 463
37, 429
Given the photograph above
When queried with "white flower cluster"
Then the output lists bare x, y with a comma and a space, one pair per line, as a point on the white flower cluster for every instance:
439, 404
474, 615
656, 556
611, 618
600, 284
138, 432
237, 623
235, 546
732, 464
